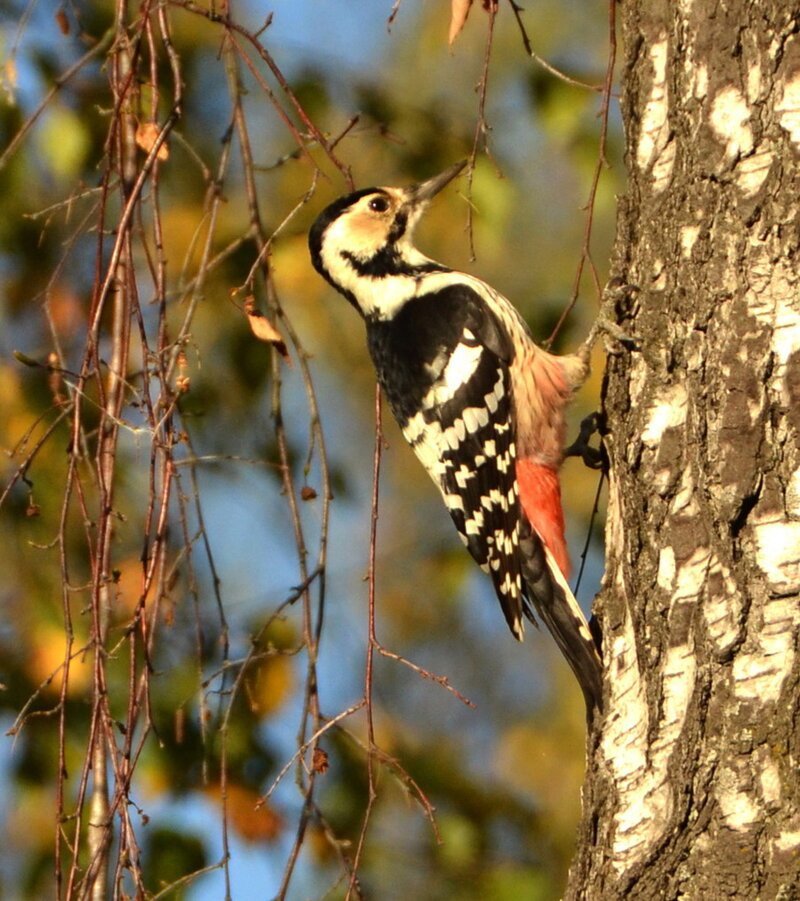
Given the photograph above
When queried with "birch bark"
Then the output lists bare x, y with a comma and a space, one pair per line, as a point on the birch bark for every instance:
693, 789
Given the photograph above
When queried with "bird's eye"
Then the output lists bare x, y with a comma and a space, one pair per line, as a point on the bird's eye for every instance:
379, 204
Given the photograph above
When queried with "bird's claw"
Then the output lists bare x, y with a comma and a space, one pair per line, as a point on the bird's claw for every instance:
593, 457
620, 340
606, 324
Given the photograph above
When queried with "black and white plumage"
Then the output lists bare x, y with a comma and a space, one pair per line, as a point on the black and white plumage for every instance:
477, 400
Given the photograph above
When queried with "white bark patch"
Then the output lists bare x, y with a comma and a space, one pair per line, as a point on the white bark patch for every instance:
687, 582
753, 83
760, 671
769, 778
786, 340
730, 122
641, 774
662, 167
738, 808
624, 745
788, 108
692, 575
788, 840
655, 150
685, 501
700, 82
689, 235
667, 411
778, 554
678, 684
659, 277
723, 606
666, 568
774, 300
752, 172
793, 494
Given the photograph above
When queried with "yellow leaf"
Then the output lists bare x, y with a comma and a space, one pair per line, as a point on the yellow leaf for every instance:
45, 662
269, 684
63, 142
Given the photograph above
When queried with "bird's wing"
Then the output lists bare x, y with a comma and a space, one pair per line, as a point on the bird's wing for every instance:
464, 435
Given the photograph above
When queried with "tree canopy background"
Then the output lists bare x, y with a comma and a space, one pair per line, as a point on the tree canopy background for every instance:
168, 543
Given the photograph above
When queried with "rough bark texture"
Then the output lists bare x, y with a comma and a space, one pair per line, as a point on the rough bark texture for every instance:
693, 788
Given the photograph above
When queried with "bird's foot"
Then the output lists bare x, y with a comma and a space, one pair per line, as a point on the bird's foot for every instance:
593, 457
618, 340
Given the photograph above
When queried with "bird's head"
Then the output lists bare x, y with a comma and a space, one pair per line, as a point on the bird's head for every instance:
363, 243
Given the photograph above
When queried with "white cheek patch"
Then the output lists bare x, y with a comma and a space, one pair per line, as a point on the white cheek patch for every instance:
360, 234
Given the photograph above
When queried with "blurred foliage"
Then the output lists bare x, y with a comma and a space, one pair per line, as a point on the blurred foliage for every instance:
503, 779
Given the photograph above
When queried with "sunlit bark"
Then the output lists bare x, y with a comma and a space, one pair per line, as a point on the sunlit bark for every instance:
693, 789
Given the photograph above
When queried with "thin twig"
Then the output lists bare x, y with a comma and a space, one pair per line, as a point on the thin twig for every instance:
548, 67
480, 139
100, 47
587, 543
371, 646
602, 163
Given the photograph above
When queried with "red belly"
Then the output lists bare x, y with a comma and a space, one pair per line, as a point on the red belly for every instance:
540, 494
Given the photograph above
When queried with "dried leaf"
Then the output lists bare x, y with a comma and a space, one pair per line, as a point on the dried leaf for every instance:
62, 21
263, 329
319, 761
458, 16
307, 493
146, 136
183, 382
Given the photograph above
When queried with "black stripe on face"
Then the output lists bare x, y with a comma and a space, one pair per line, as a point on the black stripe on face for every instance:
388, 261
399, 226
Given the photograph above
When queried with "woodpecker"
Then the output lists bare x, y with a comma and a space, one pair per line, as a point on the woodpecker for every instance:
479, 402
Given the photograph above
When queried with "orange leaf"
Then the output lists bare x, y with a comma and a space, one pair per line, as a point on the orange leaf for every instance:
252, 818
146, 135
458, 16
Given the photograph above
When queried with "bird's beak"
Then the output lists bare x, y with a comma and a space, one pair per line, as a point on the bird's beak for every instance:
424, 191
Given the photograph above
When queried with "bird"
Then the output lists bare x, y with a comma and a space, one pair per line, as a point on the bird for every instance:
480, 403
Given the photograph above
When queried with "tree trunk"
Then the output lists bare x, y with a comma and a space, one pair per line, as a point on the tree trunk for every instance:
692, 788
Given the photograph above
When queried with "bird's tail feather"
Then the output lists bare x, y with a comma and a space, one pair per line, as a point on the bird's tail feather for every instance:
558, 609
